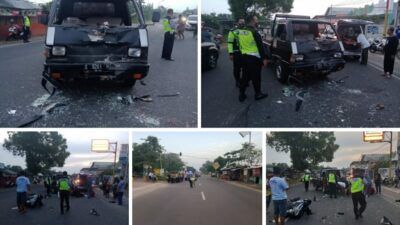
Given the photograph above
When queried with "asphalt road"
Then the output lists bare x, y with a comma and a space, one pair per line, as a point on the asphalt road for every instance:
211, 202
49, 213
325, 210
99, 105
348, 98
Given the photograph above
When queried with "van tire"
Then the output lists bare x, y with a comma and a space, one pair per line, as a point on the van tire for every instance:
281, 71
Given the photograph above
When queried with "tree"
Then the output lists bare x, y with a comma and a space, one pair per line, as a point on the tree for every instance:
261, 8
248, 155
146, 153
42, 150
172, 162
307, 149
207, 167
221, 161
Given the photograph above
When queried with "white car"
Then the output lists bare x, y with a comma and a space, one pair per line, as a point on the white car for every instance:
191, 23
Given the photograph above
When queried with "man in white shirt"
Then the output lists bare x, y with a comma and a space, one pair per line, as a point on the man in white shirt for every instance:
364, 43
23, 186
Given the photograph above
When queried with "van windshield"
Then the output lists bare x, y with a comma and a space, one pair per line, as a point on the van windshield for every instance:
95, 13
313, 31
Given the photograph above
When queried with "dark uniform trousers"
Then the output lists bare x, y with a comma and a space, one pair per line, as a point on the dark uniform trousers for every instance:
388, 63
332, 190
168, 45
358, 198
64, 196
237, 66
252, 66
306, 185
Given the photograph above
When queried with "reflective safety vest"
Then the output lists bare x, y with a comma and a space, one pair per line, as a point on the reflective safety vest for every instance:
233, 41
306, 178
64, 186
167, 25
27, 21
247, 43
357, 185
332, 178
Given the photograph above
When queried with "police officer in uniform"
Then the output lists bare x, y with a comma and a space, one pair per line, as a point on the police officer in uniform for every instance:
332, 184
234, 52
252, 57
169, 36
357, 187
27, 28
306, 180
64, 189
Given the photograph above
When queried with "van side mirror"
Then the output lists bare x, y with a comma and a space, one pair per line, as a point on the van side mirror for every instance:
156, 17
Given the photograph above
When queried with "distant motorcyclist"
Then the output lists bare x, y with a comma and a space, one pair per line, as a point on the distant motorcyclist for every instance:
64, 189
306, 179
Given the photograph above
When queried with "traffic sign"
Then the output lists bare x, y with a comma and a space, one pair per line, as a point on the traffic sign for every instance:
216, 165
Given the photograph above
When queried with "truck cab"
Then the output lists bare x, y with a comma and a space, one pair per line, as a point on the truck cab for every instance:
299, 46
96, 39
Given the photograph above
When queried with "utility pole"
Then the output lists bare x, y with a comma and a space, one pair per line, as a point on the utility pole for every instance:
390, 154
386, 18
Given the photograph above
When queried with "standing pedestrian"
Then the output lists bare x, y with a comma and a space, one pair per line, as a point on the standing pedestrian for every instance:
390, 51
357, 187
23, 186
397, 172
64, 189
253, 57
121, 189
364, 43
234, 52
47, 185
332, 184
306, 180
26, 28
269, 193
278, 187
169, 36
378, 183
181, 27
190, 178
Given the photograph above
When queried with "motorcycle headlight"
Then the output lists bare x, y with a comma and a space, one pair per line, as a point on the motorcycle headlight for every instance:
338, 55
134, 52
58, 51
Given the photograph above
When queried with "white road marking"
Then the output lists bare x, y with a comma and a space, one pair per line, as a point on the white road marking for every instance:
203, 196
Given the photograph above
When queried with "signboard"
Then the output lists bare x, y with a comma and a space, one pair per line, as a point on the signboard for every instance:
100, 145
216, 165
373, 136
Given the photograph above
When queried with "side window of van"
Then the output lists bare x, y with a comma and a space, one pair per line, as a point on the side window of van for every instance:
281, 32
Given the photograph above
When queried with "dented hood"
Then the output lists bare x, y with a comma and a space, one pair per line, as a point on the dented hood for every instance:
318, 46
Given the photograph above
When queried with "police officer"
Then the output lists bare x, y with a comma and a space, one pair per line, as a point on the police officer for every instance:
64, 189
27, 28
252, 57
357, 187
332, 184
306, 180
234, 52
169, 36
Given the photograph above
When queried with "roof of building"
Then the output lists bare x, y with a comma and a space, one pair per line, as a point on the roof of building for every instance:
334, 11
101, 165
18, 4
374, 157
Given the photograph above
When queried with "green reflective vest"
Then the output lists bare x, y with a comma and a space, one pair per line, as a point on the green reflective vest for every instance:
306, 178
27, 21
357, 185
332, 178
167, 25
232, 41
63, 183
247, 43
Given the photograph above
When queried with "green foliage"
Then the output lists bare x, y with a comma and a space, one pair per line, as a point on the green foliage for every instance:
247, 155
307, 149
172, 162
146, 153
42, 150
207, 167
261, 8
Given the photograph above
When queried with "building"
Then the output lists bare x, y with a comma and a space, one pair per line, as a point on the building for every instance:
11, 11
97, 168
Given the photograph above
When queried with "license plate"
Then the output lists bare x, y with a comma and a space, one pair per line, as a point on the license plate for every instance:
96, 67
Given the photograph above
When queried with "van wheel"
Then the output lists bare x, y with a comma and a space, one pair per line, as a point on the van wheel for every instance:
129, 82
212, 60
281, 72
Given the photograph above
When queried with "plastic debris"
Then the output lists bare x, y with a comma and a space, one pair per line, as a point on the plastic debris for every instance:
170, 95
379, 106
12, 112
288, 91
340, 213
94, 212
279, 102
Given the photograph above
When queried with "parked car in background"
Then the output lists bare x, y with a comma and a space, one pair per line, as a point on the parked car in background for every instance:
191, 23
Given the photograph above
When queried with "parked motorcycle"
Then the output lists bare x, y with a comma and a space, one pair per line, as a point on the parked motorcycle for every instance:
377, 45
297, 207
14, 33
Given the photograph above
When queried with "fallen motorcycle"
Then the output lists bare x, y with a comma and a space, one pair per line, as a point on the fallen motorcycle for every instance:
296, 208
34, 200
385, 221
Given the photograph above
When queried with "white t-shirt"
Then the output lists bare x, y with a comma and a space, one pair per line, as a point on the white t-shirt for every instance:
363, 41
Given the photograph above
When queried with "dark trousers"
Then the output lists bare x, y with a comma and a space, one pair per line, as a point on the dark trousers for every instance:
64, 196
237, 67
358, 198
306, 185
388, 63
120, 194
364, 56
251, 72
332, 190
269, 197
168, 45
26, 31
48, 191
378, 187
191, 183
21, 200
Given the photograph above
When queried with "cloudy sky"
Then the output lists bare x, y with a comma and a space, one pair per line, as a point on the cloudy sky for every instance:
351, 148
299, 6
198, 147
79, 144
177, 5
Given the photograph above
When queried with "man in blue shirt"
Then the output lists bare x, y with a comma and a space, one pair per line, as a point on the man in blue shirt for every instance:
121, 189
278, 187
23, 186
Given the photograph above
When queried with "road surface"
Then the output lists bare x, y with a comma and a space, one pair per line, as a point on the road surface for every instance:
49, 213
325, 210
357, 96
94, 105
211, 202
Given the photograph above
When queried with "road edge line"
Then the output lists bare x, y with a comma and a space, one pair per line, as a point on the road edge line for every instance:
241, 185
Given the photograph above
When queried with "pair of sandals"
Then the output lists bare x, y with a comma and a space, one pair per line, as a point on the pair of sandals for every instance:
389, 76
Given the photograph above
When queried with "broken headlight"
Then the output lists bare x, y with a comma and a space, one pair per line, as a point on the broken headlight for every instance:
58, 51
296, 58
338, 55
134, 52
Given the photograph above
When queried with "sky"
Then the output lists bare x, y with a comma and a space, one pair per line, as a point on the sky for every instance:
351, 148
304, 7
79, 145
177, 5
198, 147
